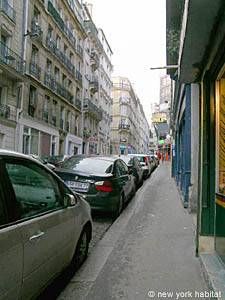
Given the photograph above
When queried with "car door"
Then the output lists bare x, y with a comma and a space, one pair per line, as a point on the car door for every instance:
47, 227
11, 247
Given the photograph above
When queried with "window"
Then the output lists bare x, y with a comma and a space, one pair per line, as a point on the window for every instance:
36, 190
34, 55
58, 42
56, 73
121, 169
32, 101
48, 66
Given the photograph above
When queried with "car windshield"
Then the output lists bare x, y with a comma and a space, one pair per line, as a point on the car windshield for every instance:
88, 165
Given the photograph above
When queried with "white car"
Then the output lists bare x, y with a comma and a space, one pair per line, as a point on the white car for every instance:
44, 226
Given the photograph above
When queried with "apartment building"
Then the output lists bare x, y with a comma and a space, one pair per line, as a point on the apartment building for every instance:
12, 70
97, 89
50, 120
92, 113
105, 89
129, 128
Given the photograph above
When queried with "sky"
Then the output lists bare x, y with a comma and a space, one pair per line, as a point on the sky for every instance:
135, 31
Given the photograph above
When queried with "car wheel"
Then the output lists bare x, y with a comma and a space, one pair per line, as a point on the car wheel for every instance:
81, 251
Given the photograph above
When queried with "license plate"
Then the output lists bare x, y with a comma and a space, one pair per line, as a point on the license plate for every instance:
77, 185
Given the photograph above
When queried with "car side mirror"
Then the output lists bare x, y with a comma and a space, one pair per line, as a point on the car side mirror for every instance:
69, 200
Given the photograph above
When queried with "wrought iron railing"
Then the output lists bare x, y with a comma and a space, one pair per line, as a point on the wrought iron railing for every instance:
11, 59
90, 107
57, 87
8, 9
55, 14
52, 45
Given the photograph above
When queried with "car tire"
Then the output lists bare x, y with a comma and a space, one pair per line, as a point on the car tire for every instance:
81, 251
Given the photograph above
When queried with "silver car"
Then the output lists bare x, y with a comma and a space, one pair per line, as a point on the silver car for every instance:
44, 226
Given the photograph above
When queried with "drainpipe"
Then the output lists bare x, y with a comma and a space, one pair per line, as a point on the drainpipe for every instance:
199, 174
19, 106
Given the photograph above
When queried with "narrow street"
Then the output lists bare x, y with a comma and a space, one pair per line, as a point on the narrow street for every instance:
148, 253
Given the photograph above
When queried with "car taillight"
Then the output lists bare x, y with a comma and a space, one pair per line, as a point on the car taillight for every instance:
103, 186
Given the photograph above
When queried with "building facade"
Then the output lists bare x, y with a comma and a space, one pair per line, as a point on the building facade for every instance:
129, 128
53, 86
198, 114
12, 71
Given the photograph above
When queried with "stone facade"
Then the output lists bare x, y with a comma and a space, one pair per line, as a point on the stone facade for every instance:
129, 128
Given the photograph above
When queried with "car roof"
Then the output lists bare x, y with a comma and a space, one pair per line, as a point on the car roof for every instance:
15, 154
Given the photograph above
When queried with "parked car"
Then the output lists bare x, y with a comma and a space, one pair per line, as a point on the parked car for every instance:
55, 160
105, 181
146, 163
135, 167
43, 161
44, 226
156, 160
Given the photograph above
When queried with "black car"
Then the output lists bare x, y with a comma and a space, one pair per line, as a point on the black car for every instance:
135, 167
104, 181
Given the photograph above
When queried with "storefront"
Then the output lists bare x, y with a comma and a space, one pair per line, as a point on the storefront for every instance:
220, 170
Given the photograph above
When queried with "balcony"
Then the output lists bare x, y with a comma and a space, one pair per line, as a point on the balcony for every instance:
4, 111
35, 70
52, 46
7, 9
36, 31
95, 61
93, 85
57, 87
124, 126
55, 14
78, 77
92, 109
91, 28
70, 35
11, 59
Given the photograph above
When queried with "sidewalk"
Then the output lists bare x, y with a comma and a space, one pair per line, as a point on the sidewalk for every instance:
148, 253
